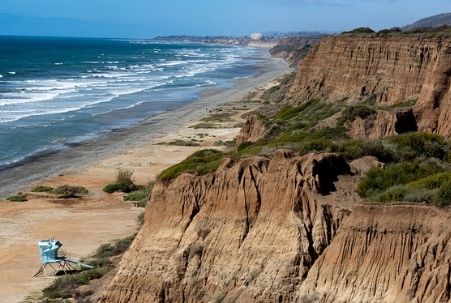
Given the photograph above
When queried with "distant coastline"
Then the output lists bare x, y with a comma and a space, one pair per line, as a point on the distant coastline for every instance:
263, 40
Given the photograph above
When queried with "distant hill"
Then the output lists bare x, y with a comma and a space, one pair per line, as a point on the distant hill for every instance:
430, 22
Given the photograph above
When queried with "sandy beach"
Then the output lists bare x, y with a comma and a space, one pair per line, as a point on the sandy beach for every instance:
84, 224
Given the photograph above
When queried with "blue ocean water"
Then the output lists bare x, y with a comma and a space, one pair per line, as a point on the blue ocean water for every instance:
55, 92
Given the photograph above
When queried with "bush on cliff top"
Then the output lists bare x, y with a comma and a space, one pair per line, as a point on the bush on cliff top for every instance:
378, 179
312, 111
141, 196
360, 30
426, 181
199, 163
418, 144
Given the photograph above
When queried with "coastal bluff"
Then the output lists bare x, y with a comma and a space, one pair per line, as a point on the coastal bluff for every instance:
289, 226
248, 233
285, 229
382, 70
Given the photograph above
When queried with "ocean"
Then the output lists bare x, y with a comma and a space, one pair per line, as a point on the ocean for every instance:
57, 92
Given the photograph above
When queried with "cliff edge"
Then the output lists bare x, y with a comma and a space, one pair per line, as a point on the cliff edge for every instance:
382, 70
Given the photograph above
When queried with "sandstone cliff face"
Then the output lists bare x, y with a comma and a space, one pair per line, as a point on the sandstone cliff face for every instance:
248, 233
382, 70
252, 131
286, 229
382, 125
385, 254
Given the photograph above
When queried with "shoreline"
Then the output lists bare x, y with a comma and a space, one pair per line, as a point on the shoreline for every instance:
17, 177
82, 225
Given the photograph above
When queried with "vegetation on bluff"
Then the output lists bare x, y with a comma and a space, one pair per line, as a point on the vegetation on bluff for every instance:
427, 32
200, 163
421, 173
417, 166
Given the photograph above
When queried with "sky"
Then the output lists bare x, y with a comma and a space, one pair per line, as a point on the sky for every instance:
149, 18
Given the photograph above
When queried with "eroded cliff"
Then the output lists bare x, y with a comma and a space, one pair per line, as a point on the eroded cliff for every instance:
385, 254
286, 229
382, 70
290, 228
383, 124
248, 233
252, 130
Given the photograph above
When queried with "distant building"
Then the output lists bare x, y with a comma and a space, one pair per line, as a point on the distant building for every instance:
257, 36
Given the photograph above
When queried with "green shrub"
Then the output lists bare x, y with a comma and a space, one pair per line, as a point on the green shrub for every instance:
377, 180
427, 181
360, 30
354, 149
17, 198
114, 249
312, 111
447, 158
68, 191
356, 111
379, 150
111, 188
124, 182
316, 110
247, 149
331, 133
350, 149
419, 195
317, 145
199, 163
42, 189
417, 144
310, 138
224, 116
443, 195
385, 32
407, 147
287, 113
432, 182
137, 195
124, 176
394, 193
141, 196
205, 125
64, 287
